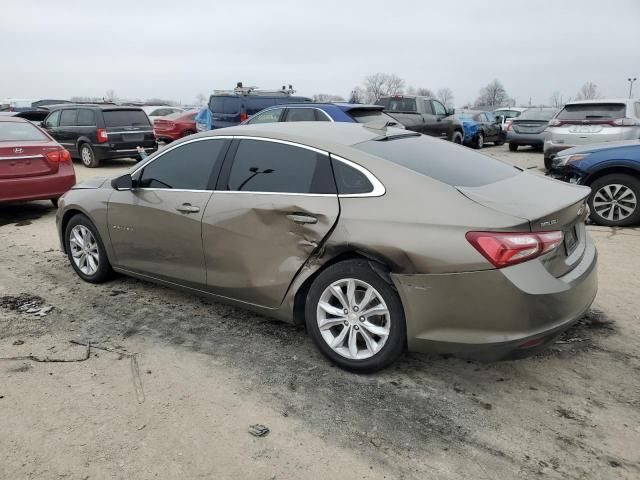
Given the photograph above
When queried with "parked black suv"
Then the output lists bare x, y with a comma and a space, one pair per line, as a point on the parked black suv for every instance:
95, 132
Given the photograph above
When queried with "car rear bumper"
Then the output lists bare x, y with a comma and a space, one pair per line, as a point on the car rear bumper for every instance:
106, 153
535, 139
38, 188
495, 314
551, 148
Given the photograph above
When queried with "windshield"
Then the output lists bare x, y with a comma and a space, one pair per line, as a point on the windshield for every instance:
442, 161
537, 115
592, 111
20, 131
125, 118
398, 104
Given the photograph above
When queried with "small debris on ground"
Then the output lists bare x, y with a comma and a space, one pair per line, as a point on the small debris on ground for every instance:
114, 293
258, 430
19, 342
26, 303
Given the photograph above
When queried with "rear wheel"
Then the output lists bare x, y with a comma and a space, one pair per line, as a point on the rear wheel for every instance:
614, 200
500, 141
86, 251
88, 156
479, 141
457, 137
513, 147
547, 163
355, 317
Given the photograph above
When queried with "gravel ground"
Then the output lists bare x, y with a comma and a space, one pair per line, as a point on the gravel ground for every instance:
171, 384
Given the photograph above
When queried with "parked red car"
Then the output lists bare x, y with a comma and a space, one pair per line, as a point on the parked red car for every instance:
175, 126
33, 166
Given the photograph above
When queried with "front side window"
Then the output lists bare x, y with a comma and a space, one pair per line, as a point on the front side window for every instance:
269, 116
263, 166
86, 118
301, 115
187, 167
438, 108
68, 118
52, 120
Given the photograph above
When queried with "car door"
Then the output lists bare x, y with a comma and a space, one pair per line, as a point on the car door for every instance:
50, 124
274, 205
66, 130
430, 124
493, 127
156, 227
441, 126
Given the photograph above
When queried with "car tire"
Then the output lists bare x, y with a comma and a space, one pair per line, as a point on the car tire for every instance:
457, 137
500, 140
88, 156
617, 196
54, 202
376, 339
513, 147
547, 163
186, 133
86, 251
478, 142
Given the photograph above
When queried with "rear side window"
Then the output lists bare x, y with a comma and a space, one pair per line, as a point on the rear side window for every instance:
261, 166
86, 118
399, 104
270, 116
592, 111
20, 131
187, 167
440, 160
349, 180
68, 118
126, 118
301, 115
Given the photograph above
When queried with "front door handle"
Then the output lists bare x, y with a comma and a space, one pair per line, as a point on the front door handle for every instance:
298, 218
187, 208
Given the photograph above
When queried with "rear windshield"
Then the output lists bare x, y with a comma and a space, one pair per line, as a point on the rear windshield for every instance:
592, 111
225, 105
125, 118
399, 104
537, 115
20, 131
366, 116
440, 160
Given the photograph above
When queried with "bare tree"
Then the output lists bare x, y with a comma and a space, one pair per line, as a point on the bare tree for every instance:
424, 92
445, 95
110, 96
381, 84
493, 95
588, 91
201, 98
558, 100
325, 97
358, 95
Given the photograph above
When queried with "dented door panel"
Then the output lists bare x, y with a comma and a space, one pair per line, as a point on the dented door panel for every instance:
255, 243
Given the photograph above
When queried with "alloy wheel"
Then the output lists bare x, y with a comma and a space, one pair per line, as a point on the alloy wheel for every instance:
353, 319
86, 155
615, 202
84, 250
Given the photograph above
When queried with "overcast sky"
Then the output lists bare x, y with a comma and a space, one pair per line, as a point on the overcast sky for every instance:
178, 49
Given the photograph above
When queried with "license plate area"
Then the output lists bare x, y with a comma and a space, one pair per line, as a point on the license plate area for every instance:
133, 137
586, 129
571, 240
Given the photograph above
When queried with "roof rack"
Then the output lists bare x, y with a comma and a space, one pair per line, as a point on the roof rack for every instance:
253, 90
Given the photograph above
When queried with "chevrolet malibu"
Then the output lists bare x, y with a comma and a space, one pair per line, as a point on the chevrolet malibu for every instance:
379, 240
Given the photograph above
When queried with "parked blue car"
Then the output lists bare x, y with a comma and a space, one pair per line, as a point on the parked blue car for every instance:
480, 127
612, 170
324, 112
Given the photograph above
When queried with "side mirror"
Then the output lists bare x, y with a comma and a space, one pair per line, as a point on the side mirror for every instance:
451, 111
123, 182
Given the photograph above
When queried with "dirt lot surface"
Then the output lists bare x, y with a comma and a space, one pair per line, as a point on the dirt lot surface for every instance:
171, 384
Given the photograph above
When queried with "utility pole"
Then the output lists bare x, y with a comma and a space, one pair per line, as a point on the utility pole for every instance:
631, 80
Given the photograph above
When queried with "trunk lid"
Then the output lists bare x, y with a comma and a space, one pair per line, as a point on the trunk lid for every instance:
528, 126
26, 159
128, 129
547, 205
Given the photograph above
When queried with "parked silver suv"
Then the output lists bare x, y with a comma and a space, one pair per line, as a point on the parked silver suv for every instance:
592, 121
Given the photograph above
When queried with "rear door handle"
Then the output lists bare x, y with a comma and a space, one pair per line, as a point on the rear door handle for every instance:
297, 218
187, 208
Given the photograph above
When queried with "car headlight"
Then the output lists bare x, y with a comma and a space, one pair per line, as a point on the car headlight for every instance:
562, 160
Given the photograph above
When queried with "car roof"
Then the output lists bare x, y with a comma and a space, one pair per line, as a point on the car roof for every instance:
99, 106
602, 100
345, 107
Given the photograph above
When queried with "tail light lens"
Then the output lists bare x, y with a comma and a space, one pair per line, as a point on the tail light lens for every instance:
554, 123
509, 126
624, 122
506, 249
102, 135
243, 116
61, 155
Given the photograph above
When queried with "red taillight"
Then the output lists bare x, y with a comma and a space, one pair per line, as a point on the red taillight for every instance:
624, 122
102, 135
509, 125
505, 249
243, 116
59, 156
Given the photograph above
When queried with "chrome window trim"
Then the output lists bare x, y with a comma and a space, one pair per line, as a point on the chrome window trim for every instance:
171, 190
378, 188
285, 106
22, 157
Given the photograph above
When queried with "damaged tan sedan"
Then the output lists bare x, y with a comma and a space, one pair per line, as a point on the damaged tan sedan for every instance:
379, 239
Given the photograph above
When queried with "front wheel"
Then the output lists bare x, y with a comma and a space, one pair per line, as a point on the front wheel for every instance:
479, 141
513, 147
86, 251
614, 200
355, 317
